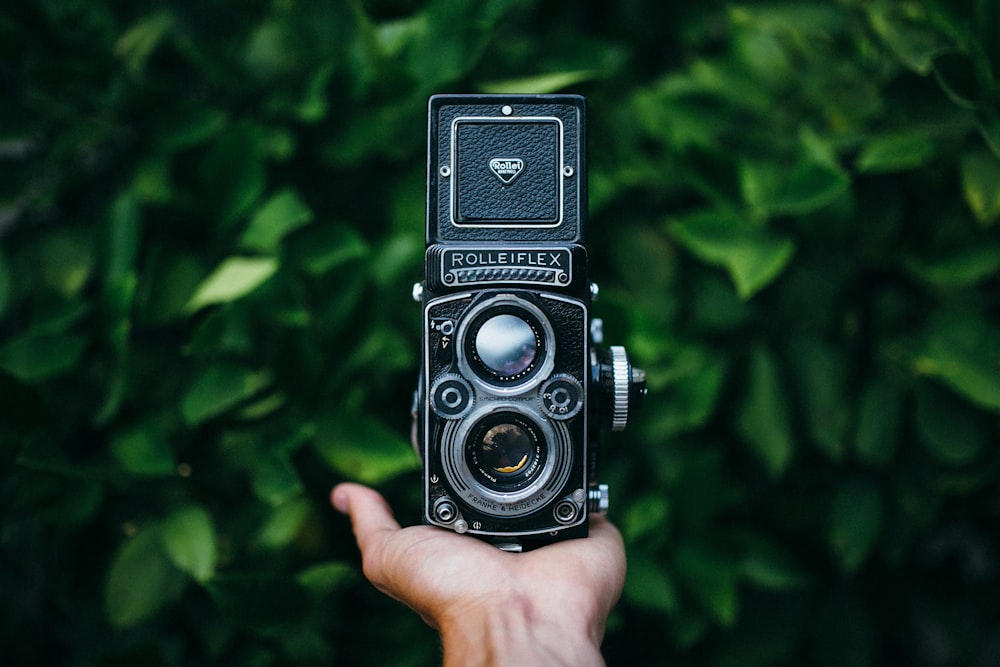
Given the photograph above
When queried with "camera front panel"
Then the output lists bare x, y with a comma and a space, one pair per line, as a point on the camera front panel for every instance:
506, 375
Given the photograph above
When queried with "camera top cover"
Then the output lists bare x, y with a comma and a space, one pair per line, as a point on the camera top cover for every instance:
506, 167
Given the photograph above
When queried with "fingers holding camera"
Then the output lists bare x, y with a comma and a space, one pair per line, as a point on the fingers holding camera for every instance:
606, 553
611, 553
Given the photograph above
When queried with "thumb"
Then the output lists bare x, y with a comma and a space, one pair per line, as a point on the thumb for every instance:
371, 517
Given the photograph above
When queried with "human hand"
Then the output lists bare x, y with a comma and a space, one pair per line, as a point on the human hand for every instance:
547, 606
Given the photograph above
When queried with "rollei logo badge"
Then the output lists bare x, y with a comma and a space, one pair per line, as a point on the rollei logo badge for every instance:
507, 168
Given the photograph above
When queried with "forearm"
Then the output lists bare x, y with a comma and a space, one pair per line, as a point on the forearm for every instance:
512, 635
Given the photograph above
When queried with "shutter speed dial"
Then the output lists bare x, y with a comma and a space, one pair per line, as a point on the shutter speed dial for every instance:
561, 397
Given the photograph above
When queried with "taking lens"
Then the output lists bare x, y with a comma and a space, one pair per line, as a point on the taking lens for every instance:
505, 452
506, 345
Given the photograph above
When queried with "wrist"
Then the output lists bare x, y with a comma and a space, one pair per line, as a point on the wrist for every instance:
510, 632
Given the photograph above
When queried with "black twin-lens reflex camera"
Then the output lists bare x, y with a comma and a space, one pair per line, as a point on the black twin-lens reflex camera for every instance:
515, 383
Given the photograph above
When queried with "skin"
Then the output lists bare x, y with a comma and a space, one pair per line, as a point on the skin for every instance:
548, 606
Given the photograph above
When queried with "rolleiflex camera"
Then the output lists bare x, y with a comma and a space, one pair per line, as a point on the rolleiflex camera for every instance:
514, 382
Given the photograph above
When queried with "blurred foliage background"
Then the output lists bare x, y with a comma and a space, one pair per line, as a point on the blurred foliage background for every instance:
211, 214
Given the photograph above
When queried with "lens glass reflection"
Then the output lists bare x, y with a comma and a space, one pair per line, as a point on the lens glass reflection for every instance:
505, 449
505, 452
506, 344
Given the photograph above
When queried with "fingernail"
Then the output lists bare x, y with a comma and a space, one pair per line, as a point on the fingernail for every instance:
340, 502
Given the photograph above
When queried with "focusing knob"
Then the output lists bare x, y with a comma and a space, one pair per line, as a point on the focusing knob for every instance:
622, 386
620, 376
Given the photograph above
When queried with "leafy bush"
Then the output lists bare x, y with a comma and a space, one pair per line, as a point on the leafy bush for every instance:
211, 214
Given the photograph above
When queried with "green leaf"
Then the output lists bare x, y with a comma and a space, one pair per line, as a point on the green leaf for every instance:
716, 306
324, 579
820, 375
771, 568
232, 174
711, 577
688, 627
763, 419
170, 282
962, 267
753, 257
322, 248
361, 448
773, 189
770, 633
151, 182
646, 518
898, 152
879, 413
271, 50
143, 450
856, 516
142, 38
908, 37
122, 239
283, 524
66, 261
189, 541
807, 20
282, 213
540, 84
186, 125
60, 316
956, 73
980, 173
382, 351
5, 284
217, 389
315, 101
954, 432
438, 54
989, 129
225, 331
397, 259
648, 585
275, 480
694, 381
141, 581
233, 279
39, 357
963, 352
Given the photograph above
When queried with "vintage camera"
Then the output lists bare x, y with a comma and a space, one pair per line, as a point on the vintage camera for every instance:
514, 383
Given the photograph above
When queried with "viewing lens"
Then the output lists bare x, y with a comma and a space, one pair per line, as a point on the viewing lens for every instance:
506, 345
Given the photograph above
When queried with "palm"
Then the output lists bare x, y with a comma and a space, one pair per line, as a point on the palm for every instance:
441, 574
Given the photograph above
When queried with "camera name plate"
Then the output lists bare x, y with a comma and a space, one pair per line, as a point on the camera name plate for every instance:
477, 266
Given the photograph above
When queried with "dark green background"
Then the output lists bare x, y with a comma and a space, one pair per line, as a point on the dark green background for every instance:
211, 214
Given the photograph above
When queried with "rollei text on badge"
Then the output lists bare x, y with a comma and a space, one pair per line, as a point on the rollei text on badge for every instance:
506, 168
